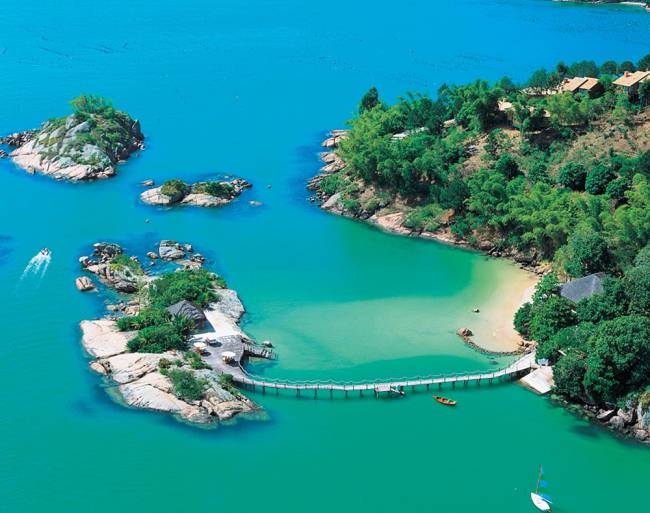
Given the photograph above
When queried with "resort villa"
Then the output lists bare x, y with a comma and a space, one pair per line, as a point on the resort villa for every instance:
582, 85
583, 288
630, 82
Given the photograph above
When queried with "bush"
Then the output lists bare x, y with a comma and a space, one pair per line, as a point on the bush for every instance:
123, 261
157, 339
507, 165
151, 316
598, 179
186, 386
522, 319
424, 218
223, 190
175, 189
573, 176
196, 286
332, 184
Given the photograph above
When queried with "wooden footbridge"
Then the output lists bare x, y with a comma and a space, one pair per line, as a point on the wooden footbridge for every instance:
394, 386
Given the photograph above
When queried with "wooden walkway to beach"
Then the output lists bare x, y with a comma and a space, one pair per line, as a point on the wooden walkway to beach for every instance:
521, 366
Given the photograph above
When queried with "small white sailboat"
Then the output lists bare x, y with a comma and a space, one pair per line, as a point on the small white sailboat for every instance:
542, 502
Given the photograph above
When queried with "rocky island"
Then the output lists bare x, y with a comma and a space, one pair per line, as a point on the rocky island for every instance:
199, 194
553, 173
170, 343
86, 145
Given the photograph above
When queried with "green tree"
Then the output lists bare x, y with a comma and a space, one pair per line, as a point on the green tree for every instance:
587, 253
637, 287
369, 100
573, 176
613, 302
620, 359
569, 373
598, 179
644, 63
609, 68
550, 316
507, 165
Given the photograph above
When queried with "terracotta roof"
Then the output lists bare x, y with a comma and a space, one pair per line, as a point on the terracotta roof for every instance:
572, 85
589, 84
629, 79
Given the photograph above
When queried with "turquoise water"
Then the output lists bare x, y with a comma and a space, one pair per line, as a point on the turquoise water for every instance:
249, 88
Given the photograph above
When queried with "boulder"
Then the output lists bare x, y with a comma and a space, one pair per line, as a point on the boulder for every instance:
147, 183
641, 435
464, 332
333, 202
605, 415
84, 261
170, 250
628, 416
229, 304
127, 367
152, 255
84, 284
617, 422
204, 200
156, 197
101, 338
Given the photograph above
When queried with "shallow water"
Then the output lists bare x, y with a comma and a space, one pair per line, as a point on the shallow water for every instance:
249, 89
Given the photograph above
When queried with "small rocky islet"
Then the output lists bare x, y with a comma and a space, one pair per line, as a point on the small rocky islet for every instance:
200, 194
85, 145
163, 343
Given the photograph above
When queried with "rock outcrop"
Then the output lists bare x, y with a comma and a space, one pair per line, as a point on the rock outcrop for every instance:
86, 145
200, 194
142, 383
151, 380
113, 268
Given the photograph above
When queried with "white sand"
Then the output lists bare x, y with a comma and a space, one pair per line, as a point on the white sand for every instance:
493, 327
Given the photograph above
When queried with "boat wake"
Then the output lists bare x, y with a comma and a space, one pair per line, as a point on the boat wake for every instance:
38, 265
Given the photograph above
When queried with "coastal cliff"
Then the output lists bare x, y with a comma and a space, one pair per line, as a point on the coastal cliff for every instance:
86, 145
160, 347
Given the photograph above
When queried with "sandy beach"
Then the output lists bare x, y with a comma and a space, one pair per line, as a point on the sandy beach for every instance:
493, 326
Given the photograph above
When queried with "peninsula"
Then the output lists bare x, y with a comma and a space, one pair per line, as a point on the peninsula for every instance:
553, 173
86, 145
200, 194
170, 343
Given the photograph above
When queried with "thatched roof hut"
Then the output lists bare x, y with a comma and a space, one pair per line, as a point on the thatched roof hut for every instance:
189, 310
583, 288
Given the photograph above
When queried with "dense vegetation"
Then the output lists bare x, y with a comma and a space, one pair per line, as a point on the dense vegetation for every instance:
554, 176
178, 189
158, 331
112, 131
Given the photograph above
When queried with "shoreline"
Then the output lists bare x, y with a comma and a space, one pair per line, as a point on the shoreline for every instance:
496, 315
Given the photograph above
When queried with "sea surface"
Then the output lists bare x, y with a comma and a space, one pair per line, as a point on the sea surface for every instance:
249, 88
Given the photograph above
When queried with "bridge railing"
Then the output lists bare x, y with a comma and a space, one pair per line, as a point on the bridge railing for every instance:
513, 368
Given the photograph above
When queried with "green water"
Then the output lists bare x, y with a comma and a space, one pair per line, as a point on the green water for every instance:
249, 88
